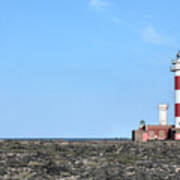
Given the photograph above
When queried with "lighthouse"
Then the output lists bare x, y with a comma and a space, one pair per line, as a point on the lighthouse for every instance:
163, 131
176, 70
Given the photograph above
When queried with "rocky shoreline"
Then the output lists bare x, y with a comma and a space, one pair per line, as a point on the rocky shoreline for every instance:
91, 160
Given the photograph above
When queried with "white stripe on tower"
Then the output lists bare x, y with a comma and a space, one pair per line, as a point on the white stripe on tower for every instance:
177, 122
177, 73
177, 97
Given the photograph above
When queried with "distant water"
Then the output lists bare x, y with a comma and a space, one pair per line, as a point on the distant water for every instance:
68, 139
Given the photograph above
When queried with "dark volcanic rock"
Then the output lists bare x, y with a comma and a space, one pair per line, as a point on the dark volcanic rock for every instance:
91, 160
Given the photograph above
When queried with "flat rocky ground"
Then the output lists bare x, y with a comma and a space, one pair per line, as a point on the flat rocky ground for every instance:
91, 160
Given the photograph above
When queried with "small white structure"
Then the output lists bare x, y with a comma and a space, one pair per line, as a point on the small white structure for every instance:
163, 114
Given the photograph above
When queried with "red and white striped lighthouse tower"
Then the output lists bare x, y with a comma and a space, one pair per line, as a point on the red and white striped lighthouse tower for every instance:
176, 70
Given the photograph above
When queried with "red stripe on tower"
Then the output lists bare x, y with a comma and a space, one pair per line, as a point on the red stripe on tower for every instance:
177, 82
177, 110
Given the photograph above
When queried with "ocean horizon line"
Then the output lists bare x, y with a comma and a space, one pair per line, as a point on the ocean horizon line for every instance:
65, 139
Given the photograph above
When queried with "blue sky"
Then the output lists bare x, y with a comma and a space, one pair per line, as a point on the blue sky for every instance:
86, 68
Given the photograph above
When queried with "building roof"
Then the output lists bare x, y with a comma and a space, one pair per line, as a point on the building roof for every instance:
148, 127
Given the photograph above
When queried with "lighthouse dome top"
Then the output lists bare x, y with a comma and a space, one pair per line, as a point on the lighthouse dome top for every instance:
178, 54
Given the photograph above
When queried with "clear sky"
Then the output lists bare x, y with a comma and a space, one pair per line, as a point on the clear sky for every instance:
85, 68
